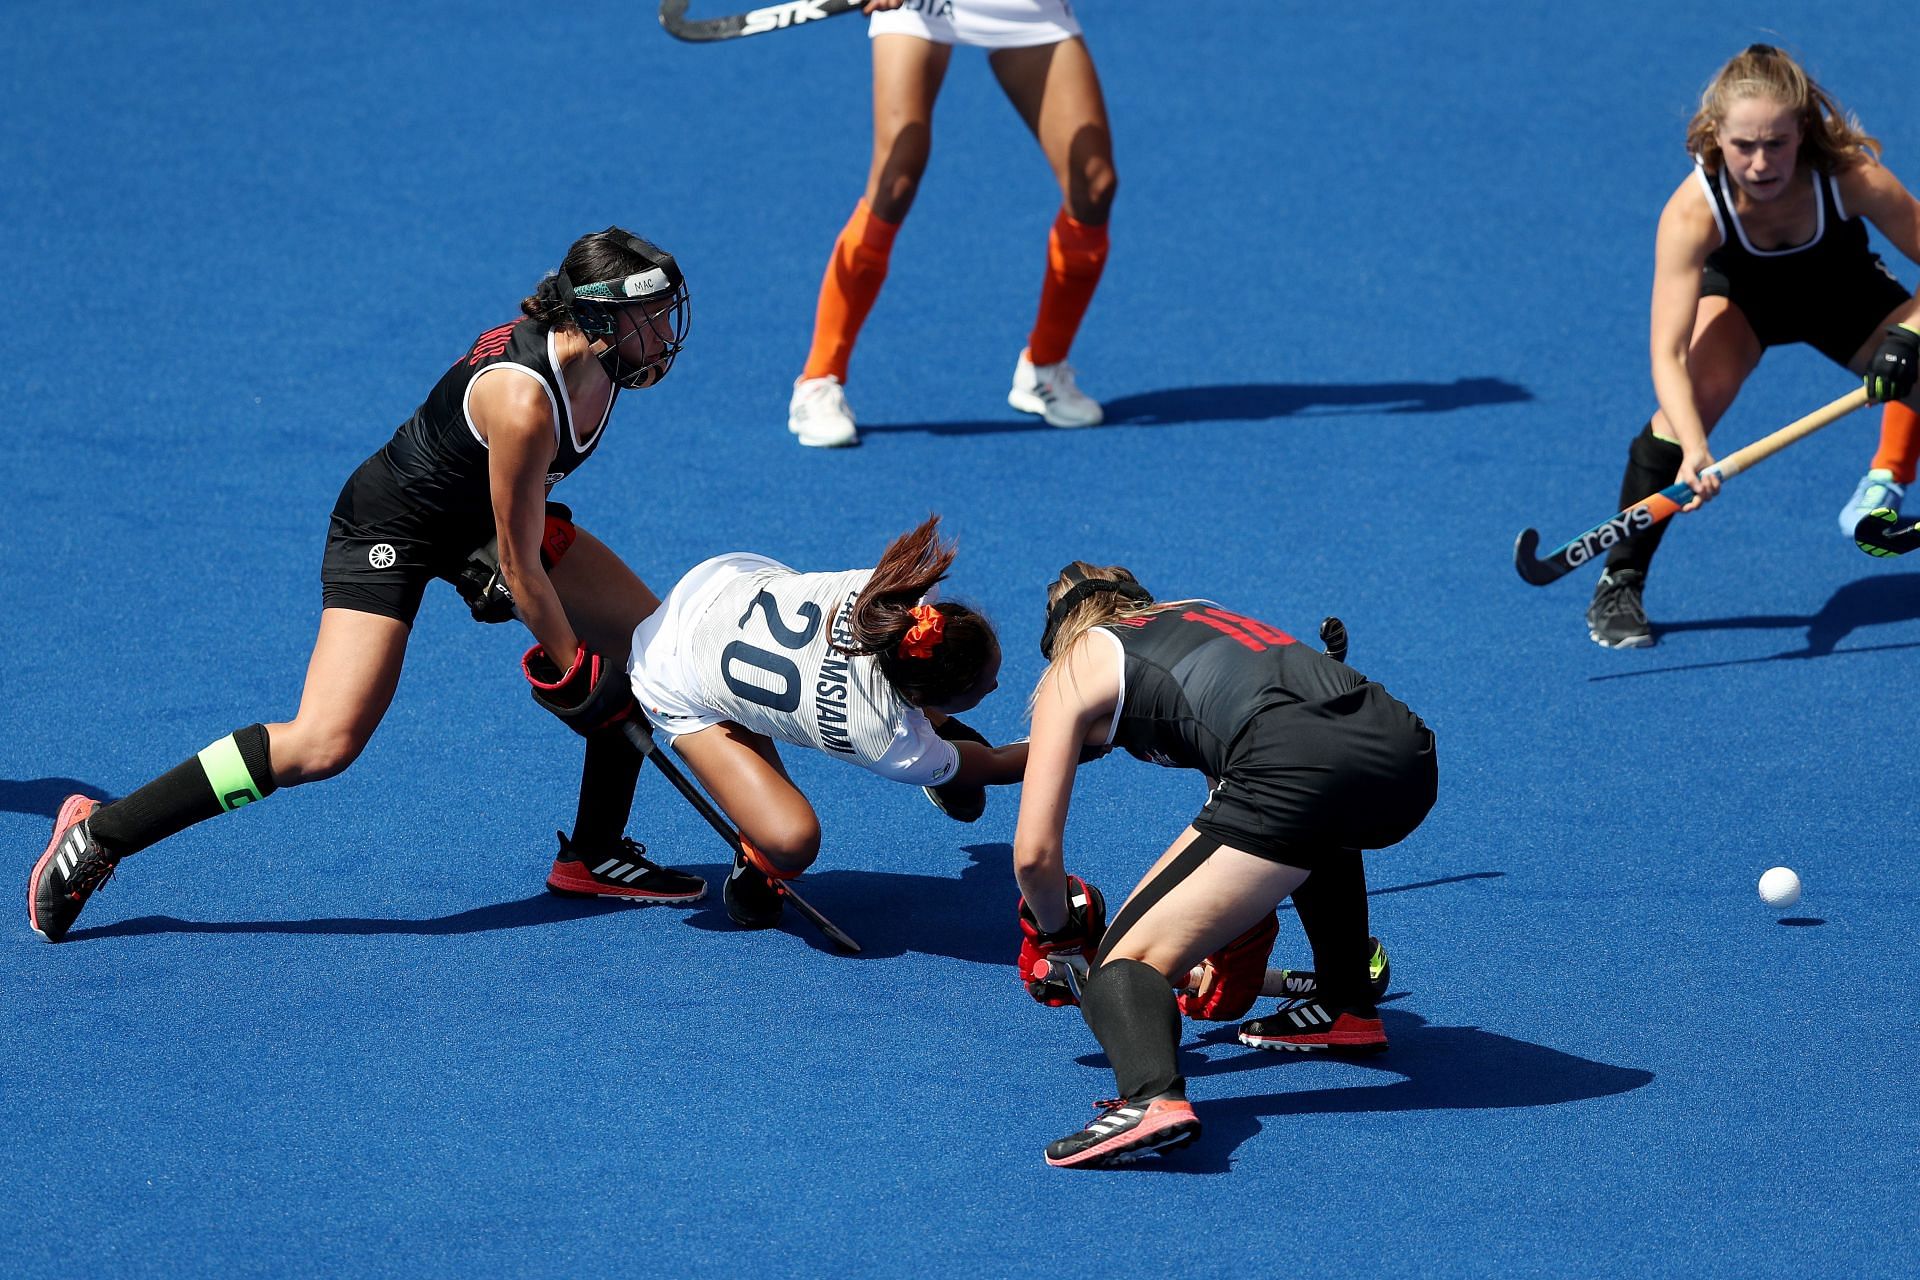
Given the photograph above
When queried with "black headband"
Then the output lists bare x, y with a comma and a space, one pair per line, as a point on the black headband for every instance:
1082, 587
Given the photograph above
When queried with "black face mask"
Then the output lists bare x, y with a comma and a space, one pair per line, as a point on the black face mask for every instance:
656, 297
1082, 587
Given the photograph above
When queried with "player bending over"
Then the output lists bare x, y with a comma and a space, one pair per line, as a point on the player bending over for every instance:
520, 410
1308, 762
860, 664
1762, 245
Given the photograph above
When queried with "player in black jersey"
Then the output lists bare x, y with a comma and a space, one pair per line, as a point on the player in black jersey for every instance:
471, 469
1763, 245
1308, 762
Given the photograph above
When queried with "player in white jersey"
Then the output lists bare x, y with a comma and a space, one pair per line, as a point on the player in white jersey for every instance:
1037, 54
861, 664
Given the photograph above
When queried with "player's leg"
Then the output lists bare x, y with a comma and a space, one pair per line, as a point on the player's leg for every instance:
351, 676
1340, 1015
907, 73
1057, 93
605, 600
1198, 895
742, 771
1723, 352
1892, 469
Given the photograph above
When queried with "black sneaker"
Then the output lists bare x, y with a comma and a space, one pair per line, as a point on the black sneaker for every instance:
1314, 1027
1617, 619
1126, 1131
68, 872
623, 872
752, 901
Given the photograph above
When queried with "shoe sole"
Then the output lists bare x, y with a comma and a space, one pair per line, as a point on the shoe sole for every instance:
1125, 1150
1027, 402
848, 443
1358, 1048
971, 811
640, 899
1631, 642
73, 809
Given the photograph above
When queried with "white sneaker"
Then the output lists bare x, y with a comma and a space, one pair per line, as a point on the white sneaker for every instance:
1877, 488
819, 414
1049, 390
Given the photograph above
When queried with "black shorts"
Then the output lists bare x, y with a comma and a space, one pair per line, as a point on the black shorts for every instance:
1835, 315
1308, 782
383, 549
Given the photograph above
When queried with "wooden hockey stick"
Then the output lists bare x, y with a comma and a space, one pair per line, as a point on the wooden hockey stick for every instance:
1650, 511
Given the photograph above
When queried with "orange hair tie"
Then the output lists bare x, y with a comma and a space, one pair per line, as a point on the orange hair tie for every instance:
928, 626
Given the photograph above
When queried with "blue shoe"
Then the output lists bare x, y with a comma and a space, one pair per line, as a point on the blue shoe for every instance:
1877, 488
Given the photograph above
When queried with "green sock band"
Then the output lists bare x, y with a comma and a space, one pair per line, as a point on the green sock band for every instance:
228, 775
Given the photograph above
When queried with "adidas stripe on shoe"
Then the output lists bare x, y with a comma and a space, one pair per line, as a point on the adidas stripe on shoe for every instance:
67, 874
1126, 1131
1310, 1025
625, 872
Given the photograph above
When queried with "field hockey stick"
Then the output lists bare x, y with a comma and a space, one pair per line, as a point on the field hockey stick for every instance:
1295, 984
753, 22
1879, 533
642, 741
1650, 511
1333, 638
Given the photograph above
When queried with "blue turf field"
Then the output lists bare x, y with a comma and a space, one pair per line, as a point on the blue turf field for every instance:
1377, 301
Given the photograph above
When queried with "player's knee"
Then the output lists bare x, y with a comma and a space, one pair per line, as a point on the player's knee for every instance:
792, 845
310, 753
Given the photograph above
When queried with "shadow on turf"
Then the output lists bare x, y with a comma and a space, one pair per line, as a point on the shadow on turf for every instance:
42, 795
969, 918
540, 909
1429, 1068
1877, 600
1255, 402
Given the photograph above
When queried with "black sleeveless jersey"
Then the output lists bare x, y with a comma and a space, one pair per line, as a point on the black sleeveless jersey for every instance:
1195, 676
1839, 244
437, 461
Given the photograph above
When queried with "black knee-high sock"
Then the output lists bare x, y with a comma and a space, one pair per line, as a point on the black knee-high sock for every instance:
1652, 465
1332, 902
234, 771
607, 780
1130, 1008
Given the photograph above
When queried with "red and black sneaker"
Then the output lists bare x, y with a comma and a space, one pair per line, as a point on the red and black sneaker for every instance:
1126, 1131
624, 872
1309, 1025
68, 872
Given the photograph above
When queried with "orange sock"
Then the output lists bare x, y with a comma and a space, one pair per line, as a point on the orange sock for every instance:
854, 275
1076, 255
1899, 442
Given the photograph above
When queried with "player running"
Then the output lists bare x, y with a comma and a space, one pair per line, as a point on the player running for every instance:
861, 664
1763, 245
1307, 761
525, 406
1036, 52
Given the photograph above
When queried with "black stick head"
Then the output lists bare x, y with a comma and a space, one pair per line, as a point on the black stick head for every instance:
1532, 569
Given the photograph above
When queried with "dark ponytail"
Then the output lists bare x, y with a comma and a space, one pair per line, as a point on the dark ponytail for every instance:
547, 305
883, 615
